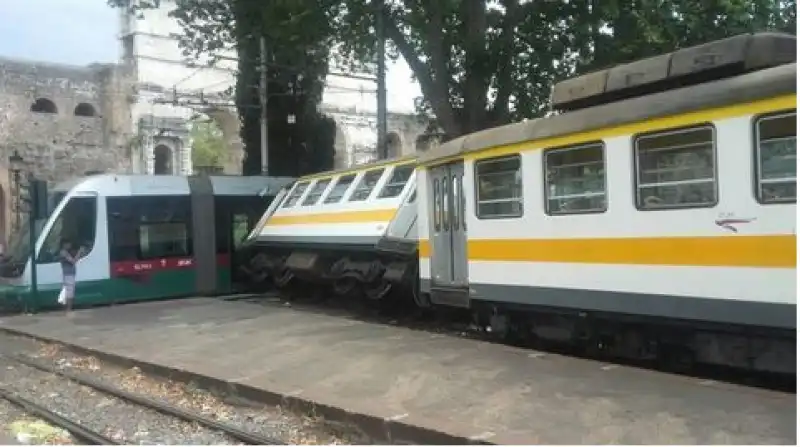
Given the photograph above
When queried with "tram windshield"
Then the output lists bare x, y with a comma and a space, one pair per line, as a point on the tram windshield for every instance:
18, 249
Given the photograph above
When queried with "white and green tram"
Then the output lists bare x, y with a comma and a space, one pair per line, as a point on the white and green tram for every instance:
146, 237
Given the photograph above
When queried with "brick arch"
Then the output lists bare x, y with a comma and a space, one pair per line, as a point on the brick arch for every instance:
44, 105
85, 109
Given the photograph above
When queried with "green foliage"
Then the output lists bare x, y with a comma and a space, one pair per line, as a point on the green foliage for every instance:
479, 63
610, 32
208, 144
485, 62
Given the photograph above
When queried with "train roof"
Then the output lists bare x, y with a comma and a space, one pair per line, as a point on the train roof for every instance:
753, 86
359, 168
126, 184
699, 64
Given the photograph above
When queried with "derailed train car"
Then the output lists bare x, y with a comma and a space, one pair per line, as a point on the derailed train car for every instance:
352, 231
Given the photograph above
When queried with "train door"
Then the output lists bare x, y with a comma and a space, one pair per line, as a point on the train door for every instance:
203, 206
449, 279
81, 222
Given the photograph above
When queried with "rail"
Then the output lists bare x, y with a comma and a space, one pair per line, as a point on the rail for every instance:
162, 407
80, 432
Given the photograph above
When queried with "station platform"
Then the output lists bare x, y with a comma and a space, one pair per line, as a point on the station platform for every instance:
414, 386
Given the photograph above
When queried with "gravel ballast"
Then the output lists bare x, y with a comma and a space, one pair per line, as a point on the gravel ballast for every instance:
109, 416
133, 424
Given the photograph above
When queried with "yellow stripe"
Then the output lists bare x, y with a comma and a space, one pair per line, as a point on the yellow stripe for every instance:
334, 218
650, 125
723, 251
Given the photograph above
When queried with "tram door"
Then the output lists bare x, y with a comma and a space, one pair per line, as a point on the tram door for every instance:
449, 278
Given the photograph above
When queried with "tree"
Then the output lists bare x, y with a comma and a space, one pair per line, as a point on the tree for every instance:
609, 32
208, 145
479, 63
296, 73
298, 63
482, 63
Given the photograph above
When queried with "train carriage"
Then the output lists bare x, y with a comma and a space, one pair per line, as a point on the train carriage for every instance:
147, 237
353, 230
656, 216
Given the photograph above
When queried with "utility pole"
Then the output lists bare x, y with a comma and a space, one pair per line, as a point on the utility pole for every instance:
263, 95
380, 32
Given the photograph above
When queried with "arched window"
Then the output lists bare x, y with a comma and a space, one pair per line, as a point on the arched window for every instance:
162, 160
84, 109
43, 105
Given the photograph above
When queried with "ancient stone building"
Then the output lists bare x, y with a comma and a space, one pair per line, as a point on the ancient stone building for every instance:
133, 117
63, 120
170, 90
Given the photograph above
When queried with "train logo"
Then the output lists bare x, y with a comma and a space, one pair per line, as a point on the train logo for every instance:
728, 224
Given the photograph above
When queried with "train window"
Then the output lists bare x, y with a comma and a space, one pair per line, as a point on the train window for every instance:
776, 158
366, 185
437, 198
397, 182
676, 169
340, 188
575, 179
76, 223
456, 197
144, 228
163, 240
240, 228
164, 227
444, 198
295, 195
499, 185
412, 198
316, 192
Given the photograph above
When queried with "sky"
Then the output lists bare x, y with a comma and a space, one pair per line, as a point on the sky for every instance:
80, 32
66, 31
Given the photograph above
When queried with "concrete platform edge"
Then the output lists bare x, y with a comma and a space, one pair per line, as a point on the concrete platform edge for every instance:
377, 428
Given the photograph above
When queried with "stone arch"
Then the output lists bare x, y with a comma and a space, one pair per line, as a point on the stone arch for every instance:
227, 120
44, 105
340, 158
394, 145
162, 160
85, 109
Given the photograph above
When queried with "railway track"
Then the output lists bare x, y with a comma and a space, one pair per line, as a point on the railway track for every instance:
84, 433
459, 324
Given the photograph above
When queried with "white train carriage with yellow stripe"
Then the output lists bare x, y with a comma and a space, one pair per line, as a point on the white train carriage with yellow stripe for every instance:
353, 229
649, 220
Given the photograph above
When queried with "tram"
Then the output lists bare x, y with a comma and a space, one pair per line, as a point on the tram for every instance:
145, 237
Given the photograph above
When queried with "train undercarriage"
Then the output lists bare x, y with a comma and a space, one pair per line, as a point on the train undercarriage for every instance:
385, 280
676, 345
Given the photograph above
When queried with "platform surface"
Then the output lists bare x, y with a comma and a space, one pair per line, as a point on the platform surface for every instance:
456, 385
